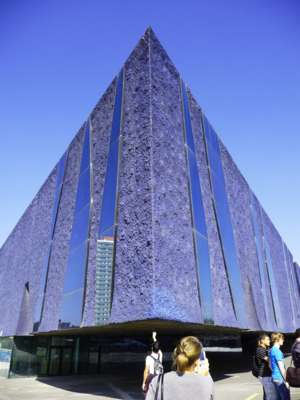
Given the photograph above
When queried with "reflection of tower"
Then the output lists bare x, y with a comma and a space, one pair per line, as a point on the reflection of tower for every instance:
104, 263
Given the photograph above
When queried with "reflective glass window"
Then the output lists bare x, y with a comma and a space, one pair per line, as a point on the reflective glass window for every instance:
85, 158
61, 166
108, 223
71, 304
289, 278
74, 277
83, 195
261, 263
197, 203
115, 130
224, 219
80, 227
198, 218
273, 285
297, 275
107, 218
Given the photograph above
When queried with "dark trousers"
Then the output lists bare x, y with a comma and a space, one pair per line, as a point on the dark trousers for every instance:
282, 390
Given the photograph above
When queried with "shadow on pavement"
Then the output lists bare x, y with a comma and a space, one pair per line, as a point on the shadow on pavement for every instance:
118, 379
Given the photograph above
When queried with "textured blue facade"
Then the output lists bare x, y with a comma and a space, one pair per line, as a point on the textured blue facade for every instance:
157, 272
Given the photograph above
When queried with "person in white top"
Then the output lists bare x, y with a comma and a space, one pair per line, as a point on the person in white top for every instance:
153, 364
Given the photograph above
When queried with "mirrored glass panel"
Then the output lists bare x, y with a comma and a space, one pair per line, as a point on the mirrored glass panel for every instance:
108, 223
61, 167
223, 219
297, 276
198, 218
270, 317
115, 130
273, 285
74, 278
80, 227
197, 203
77, 261
85, 158
71, 310
289, 278
83, 195
107, 218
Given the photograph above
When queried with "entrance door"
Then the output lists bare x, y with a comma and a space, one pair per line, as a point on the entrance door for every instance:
60, 361
66, 360
54, 361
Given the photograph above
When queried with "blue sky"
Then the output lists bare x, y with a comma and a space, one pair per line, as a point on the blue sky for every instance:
240, 58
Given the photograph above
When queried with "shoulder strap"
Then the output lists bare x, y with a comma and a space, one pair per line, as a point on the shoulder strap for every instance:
159, 385
280, 370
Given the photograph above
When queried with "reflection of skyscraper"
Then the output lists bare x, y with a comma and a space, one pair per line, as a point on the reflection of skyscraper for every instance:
104, 263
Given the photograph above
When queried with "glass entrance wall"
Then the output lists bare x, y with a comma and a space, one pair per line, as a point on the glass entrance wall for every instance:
198, 218
224, 220
6, 345
72, 303
108, 216
24, 361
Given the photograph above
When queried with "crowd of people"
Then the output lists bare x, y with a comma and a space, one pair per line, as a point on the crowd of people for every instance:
190, 377
269, 368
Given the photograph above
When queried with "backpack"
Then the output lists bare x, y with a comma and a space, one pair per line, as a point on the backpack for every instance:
255, 368
158, 367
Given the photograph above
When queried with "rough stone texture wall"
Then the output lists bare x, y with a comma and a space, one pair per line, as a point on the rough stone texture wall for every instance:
101, 121
223, 310
62, 235
174, 259
22, 260
132, 296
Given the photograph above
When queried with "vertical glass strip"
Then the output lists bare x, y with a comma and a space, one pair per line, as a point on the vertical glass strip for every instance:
198, 217
61, 166
106, 243
273, 285
289, 279
223, 219
74, 283
261, 262
297, 275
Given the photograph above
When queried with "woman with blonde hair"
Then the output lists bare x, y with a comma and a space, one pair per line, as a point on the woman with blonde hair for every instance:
185, 382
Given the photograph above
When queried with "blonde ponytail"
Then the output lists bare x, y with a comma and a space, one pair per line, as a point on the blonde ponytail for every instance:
186, 353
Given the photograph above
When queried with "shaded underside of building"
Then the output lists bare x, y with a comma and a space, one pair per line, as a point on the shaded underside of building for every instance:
146, 217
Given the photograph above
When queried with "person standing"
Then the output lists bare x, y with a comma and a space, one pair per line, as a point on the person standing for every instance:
278, 368
262, 369
296, 350
153, 364
185, 382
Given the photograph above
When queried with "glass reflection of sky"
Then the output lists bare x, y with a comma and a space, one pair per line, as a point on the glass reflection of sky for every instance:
198, 217
72, 303
224, 219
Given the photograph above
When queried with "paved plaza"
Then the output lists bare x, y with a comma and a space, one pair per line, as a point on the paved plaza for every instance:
230, 372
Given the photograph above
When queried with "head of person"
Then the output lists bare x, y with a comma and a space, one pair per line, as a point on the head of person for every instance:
186, 354
155, 347
297, 333
277, 338
263, 340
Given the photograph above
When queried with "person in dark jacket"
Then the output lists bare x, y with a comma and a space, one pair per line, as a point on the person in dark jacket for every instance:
264, 372
296, 349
